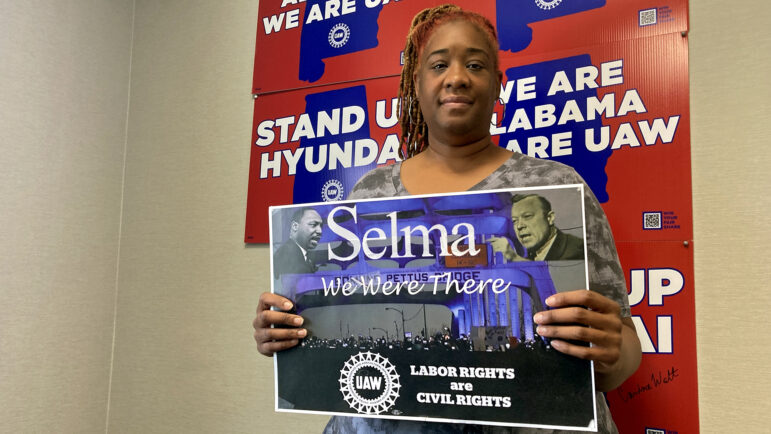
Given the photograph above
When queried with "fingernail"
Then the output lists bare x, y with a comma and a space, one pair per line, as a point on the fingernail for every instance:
549, 301
287, 305
298, 321
538, 318
541, 330
556, 344
302, 332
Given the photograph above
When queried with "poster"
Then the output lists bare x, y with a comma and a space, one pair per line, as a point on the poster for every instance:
661, 295
412, 313
622, 122
324, 42
600, 85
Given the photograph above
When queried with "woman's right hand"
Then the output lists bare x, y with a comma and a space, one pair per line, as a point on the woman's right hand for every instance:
269, 339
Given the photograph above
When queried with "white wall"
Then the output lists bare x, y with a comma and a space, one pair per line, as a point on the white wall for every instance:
184, 356
64, 75
730, 56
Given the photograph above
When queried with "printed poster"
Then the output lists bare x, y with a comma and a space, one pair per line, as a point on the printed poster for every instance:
412, 313
323, 42
617, 115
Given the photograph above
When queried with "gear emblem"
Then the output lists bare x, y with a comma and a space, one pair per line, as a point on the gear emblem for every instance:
369, 383
547, 4
339, 35
332, 191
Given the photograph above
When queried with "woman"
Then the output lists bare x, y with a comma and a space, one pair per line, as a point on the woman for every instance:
449, 85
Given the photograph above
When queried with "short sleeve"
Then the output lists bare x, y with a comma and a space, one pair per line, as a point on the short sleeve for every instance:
605, 273
375, 183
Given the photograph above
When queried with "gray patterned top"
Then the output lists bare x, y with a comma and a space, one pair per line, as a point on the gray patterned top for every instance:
605, 277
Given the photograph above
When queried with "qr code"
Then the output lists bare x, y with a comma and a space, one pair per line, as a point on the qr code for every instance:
647, 17
652, 220
654, 431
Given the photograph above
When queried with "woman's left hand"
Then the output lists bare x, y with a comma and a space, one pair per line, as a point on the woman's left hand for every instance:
588, 316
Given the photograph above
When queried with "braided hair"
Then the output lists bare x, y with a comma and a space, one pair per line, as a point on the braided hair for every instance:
414, 137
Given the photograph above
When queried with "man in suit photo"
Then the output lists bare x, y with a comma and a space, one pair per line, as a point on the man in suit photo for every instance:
532, 219
304, 234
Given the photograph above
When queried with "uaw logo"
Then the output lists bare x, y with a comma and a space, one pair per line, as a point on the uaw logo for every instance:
332, 191
369, 383
548, 4
340, 34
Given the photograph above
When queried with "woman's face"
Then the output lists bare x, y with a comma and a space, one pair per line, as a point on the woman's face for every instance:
457, 83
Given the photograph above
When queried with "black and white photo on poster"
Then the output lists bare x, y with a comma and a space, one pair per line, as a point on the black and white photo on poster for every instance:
422, 307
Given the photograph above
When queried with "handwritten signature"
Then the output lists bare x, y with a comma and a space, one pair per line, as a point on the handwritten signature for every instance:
657, 379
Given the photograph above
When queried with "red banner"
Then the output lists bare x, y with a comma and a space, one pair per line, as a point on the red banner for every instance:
662, 394
298, 32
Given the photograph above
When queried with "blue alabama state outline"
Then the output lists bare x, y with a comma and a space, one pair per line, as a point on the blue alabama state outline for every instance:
335, 36
308, 185
590, 165
513, 17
